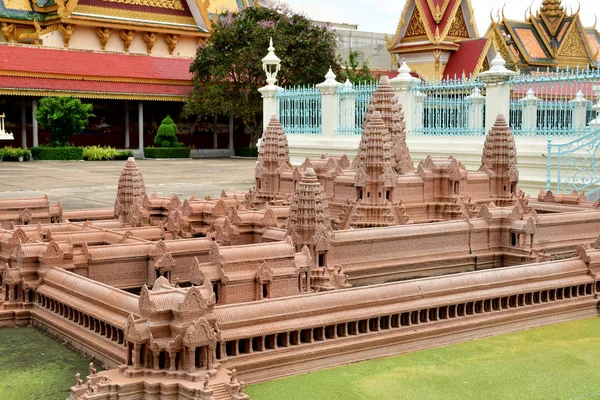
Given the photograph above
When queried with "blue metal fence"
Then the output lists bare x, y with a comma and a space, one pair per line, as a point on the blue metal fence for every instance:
299, 110
553, 102
452, 107
577, 163
353, 102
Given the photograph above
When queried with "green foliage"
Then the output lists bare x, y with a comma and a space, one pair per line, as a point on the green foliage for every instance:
63, 117
13, 153
97, 153
246, 151
166, 136
166, 152
356, 72
57, 153
228, 69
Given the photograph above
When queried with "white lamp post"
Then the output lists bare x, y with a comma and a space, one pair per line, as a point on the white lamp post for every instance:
271, 65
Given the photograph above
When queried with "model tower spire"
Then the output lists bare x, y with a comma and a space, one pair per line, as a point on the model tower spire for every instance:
273, 158
309, 223
499, 160
375, 178
131, 189
385, 102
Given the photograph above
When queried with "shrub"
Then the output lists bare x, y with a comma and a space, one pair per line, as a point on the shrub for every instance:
166, 136
162, 152
12, 154
57, 153
246, 151
63, 117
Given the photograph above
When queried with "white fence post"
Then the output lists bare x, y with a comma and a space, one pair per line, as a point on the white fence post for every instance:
497, 91
329, 104
579, 107
530, 108
475, 109
271, 65
402, 85
595, 123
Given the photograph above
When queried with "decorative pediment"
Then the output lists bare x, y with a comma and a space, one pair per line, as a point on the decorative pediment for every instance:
52, 252
485, 213
10, 277
215, 255
186, 209
144, 302
549, 197
165, 263
530, 227
264, 274
25, 216
517, 213
159, 250
18, 235
269, 220
513, 174
361, 178
174, 203
197, 277
234, 217
194, 301
220, 209
199, 333
126, 236
296, 175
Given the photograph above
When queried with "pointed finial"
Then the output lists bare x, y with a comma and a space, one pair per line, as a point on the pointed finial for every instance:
330, 77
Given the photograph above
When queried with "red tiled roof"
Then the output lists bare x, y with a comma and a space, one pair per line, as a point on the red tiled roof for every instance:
466, 59
92, 89
37, 71
43, 60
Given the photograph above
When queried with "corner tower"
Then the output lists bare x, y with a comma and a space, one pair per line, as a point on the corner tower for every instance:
499, 161
131, 189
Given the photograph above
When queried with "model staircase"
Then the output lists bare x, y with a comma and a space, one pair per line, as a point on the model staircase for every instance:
220, 392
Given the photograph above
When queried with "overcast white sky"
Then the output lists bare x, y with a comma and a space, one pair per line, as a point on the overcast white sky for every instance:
383, 15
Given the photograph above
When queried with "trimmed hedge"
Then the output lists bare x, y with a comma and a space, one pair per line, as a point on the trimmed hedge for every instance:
13, 153
166, 152
97, 153
246, 151
57, 153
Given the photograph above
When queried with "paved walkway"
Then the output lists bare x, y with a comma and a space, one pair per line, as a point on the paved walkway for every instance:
93, 184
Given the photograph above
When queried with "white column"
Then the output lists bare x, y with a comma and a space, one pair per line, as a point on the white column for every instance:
579, 106
329, 104
215, 133
231, 134
529, 105
34, 123
475, 109
141, 125
402, 85
127, 141
23, 123
497, 91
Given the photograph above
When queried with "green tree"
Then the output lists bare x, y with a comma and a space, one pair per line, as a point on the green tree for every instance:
356, 72
166, 136
228, 70
63, 117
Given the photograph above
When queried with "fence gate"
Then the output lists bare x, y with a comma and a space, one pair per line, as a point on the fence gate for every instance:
577, 163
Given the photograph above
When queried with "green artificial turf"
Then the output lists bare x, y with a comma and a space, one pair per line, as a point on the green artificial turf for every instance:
35, 366
552, 362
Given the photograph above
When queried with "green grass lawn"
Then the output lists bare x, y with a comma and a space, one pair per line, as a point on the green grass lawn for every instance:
552, 362
34, 366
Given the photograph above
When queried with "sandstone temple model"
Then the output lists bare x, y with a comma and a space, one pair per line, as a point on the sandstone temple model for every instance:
329, 262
